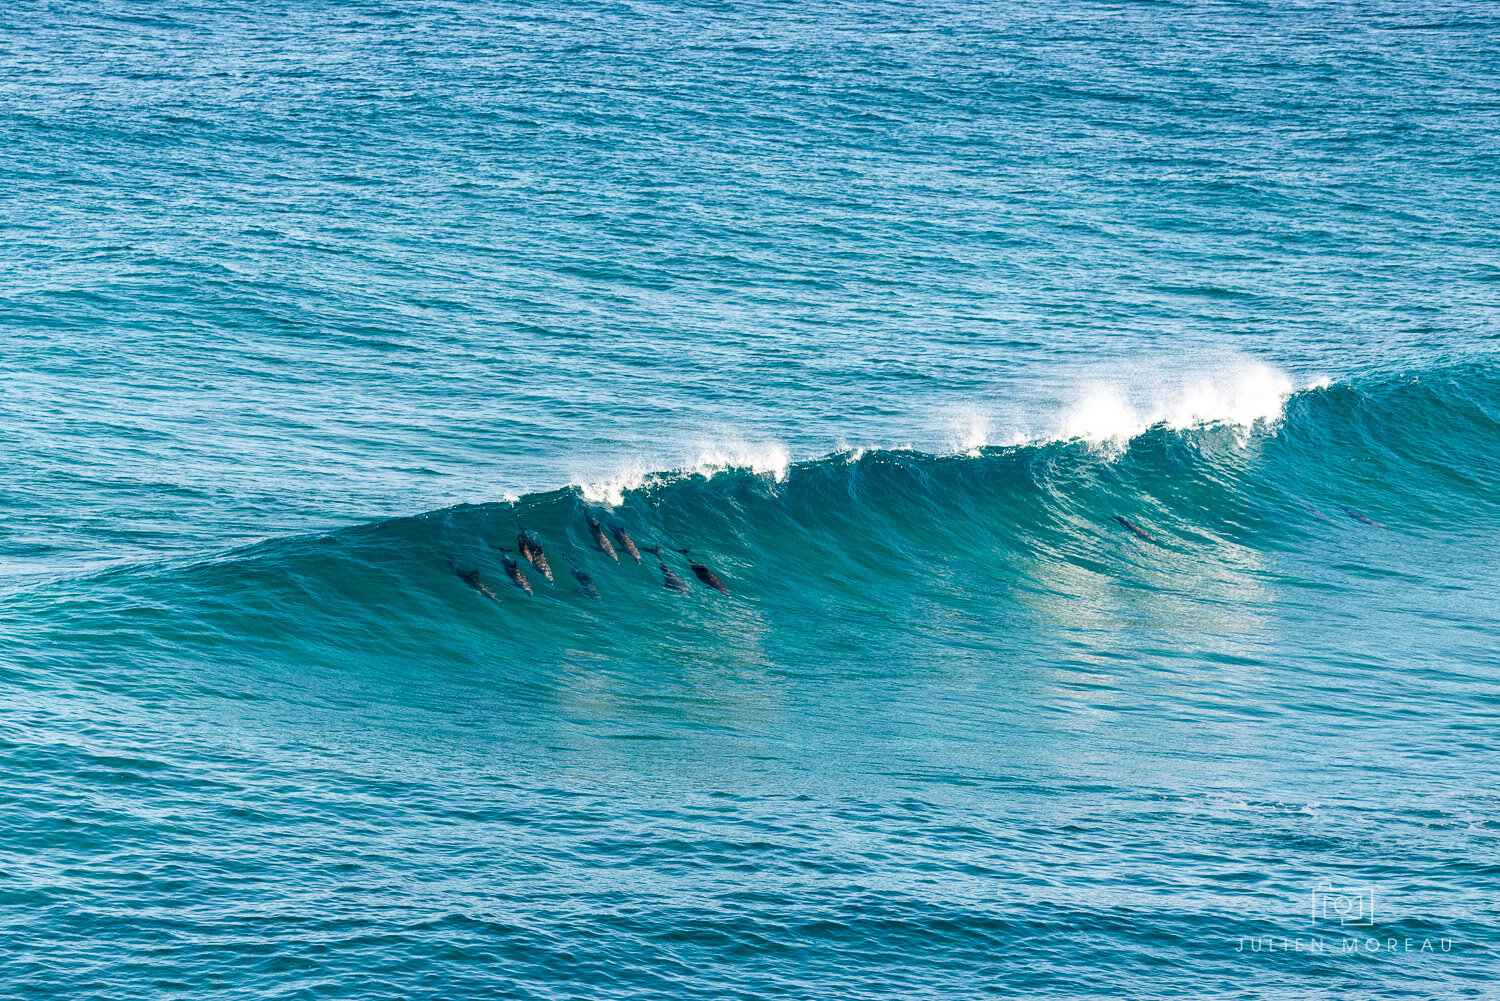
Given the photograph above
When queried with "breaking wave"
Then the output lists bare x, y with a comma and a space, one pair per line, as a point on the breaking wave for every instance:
895, 535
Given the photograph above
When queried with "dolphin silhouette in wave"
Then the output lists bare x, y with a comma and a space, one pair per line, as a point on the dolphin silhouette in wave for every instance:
585, 580
1134, 529
600, 539
703, 573
514, 573
669, 576
670, 580
472, 578
627, 543
531, 548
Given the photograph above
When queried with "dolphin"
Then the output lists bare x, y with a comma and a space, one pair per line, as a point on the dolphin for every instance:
670, 580
1314, 511
704, 574
471, 578
1134, 529
531, 548
627, 543
1361, 518
514, 573
585, 579
600, 539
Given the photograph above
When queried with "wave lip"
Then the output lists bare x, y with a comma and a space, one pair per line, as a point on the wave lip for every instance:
768, 458
1241, 393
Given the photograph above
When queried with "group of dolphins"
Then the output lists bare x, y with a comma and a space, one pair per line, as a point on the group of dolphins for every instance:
530, 548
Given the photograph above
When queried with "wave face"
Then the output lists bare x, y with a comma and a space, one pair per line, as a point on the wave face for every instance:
934, 682
994, 532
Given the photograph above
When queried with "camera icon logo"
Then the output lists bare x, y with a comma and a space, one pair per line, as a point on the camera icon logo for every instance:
1348, 906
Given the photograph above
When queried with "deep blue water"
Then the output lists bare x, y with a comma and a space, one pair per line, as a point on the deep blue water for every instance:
1091, 410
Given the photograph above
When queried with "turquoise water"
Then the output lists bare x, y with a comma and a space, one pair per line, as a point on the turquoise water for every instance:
1092, 412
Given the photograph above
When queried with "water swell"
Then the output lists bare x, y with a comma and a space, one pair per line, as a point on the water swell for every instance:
906, 540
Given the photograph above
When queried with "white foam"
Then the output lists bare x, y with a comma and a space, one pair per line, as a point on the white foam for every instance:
1106, 412
765, 458
610, 490
1102, 414
971, 429
1239, 392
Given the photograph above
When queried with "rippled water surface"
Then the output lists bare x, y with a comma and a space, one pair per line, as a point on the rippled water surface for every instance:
1091, 413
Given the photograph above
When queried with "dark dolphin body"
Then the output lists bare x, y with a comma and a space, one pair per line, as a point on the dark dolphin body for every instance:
1314, 511
670, 580
627, 543
531, 548
585, 580
1361, 518
516, 576
471, 578
706, 575
600, 539
1134, 529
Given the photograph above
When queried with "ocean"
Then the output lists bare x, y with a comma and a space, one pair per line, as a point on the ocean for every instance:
1081, 420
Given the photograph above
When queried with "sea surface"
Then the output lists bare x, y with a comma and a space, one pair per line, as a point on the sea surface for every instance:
1091, 412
